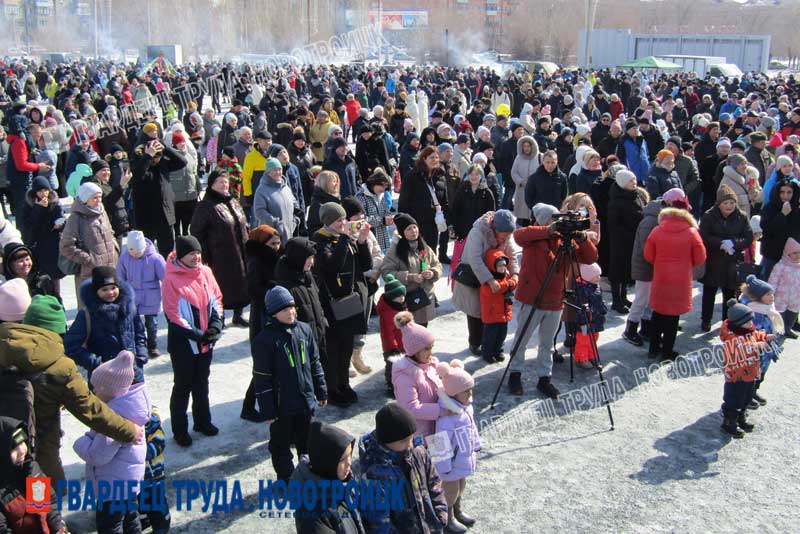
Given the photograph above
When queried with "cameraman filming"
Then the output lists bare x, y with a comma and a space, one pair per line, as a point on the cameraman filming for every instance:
540, 243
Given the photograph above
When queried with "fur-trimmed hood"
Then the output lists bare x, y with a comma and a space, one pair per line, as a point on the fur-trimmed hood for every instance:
449, 403
676, 213
534, 144
126, 300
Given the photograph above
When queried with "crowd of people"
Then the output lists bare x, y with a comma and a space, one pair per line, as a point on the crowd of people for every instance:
327, 195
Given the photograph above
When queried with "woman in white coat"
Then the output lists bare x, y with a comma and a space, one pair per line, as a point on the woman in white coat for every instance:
525, 164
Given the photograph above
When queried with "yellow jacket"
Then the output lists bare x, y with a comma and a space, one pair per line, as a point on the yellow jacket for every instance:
254, 165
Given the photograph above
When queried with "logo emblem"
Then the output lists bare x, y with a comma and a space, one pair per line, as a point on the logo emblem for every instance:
37, 495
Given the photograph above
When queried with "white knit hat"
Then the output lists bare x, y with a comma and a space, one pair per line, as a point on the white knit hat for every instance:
14, 300
87, 190
623, 177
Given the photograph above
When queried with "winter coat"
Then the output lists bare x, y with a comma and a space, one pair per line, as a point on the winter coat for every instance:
785, 278
375, 211
624, 214
318, 198
480, 240
153, 198
371, 154
346, 170
761, 159
778, 227
522, 169
462, 159
463, 438
261, 261
19, 167
339, 267
417, 200
144, 275
43, 237
253, 169
391, 336
738, 183
416, 388
589, 293
585, 179
400, 269
714, 229
192, 304
111, 328
289, 274
87, 239
76, 155
538, 253
113, 205
318, 134
13, 489
287, 372
338, 519
674, 248
468, 206
35, 350
660, 180
274, 204
424, 509
221, 227
741, 353
641, 269
545, 187
496, 307
633, 154
185, 182
112, 461
687, 171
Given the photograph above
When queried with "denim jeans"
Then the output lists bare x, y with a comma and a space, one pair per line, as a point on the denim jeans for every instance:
494, 335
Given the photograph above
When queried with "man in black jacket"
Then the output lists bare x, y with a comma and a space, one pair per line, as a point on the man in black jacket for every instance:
504, 160
548, 185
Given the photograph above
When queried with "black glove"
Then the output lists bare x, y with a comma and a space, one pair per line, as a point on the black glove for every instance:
211, 335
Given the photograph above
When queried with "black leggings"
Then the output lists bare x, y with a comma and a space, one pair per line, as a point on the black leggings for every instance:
663, 330
475, 327
709, 295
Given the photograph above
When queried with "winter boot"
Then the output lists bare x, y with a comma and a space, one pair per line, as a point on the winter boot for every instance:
616, 303
644, 329
545, 385
743, 424
453, 525
789, 320
756, 397
358, 362
206, 428
239, 320
631, 336
515, 383
462, 518
729, 425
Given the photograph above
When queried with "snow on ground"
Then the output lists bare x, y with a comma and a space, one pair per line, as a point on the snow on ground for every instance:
556, 467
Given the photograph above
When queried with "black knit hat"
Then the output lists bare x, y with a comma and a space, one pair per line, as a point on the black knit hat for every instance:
98, 165
352, 206
326, 445
394, 423
104, 276
337, 142
186, 244
403, 221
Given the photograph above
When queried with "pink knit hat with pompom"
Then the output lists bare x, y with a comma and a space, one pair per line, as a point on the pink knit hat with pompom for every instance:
415, 337
454, 377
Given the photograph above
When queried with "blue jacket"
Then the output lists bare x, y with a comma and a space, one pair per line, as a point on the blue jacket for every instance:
633, 154
154, 436
591, 294
660, 180
114, 327
287, 373
292, 176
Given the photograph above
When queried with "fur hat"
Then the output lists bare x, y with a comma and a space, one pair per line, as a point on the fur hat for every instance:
455, 378
416, 337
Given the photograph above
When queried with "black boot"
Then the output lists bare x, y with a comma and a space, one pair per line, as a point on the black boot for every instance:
463, 518
756, 397
631, 336
206, 428
644, 328
743, 424
238, 320
515, 383
789, 320
616, 303
729, 425
546, 386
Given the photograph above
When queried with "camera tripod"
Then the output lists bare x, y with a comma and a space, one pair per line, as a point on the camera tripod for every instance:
566, 252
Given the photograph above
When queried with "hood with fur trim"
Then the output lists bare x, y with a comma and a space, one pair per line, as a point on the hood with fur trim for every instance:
676, 213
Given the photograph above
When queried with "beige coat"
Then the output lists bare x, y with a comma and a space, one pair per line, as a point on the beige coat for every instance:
97, 243
400, 270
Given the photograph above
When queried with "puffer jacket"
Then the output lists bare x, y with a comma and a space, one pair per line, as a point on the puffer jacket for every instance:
34, 350
185, 182
545, 187
144, 275
192, 303
253, 169
424, 509
110, 460
462, 433
641, 270
113, 204
467, 206
661, 180
785, 278
674, 248
741, 353
633, 154
261, 261
625, 210
88, 239
714, 228
522, 169
318, 198
416, 388
400, 269
778, 227
338, 518
738, 183
274, 204
496, 307
44, 238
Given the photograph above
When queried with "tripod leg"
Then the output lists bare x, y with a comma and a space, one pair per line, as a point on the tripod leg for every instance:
603, 383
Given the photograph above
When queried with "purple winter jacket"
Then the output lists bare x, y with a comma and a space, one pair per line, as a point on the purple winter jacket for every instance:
464, 440
111, 460
145, 276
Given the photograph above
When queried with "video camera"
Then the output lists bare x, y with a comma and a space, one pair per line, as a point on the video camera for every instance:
570, 223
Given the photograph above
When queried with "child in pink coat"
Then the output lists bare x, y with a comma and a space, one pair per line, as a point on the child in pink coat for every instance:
785, 278
416, 384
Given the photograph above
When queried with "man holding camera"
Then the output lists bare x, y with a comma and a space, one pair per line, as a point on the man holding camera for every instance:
540, 243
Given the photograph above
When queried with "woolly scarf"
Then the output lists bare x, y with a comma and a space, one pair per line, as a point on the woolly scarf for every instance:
770, 311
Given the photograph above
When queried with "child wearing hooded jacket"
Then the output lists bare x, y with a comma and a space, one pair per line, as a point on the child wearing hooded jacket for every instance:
785, 278
759, 296
392, 302
110, 460
458, 458
588, 291
496, 306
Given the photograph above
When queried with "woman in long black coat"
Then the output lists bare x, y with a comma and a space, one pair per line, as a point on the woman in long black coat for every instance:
625, 206
262, 251
219, 223
472, 199
726, 226
779, 224
416, 198
600, 194
45, 220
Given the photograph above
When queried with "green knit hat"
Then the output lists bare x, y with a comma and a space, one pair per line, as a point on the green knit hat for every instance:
272, 164
393, 288
46, 312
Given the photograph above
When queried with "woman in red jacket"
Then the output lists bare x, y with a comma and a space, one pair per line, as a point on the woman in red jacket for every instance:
674, 248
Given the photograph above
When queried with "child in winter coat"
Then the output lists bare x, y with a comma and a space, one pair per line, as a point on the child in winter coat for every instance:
742, 346
112, 461
496, 306
16, 464
416, 384
144, 268
759, 296
458, 458
390, 304
230, 164
785, 278
289, 380
107, 325
394, 452
588, 292
154, 473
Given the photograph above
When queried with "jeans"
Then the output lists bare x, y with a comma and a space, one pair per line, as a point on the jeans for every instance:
151, 328
117, 522
547, 322
709, 295
190, 377
281, 433
494, 335
736, 396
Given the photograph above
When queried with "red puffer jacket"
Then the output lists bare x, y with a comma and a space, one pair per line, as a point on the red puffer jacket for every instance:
742, 353
494, 307
674, 247
538, 252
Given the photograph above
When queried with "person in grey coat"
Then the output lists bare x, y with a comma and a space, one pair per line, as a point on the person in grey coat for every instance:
686, 168
525, 164
273, 202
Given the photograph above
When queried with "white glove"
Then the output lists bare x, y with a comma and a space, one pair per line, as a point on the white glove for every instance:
727, 246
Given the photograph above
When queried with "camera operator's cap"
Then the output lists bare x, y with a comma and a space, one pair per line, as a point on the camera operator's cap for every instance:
624, 177
543, 213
